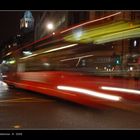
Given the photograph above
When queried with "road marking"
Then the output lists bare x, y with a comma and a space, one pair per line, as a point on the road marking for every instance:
15, 99
26, 100
17, 126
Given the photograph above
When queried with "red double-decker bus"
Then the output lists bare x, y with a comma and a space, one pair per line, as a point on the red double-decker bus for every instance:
91, 64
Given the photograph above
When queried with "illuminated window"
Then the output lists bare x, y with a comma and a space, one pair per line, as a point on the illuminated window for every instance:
26, 24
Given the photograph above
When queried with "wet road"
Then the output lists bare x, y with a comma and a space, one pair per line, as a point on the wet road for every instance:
20, 109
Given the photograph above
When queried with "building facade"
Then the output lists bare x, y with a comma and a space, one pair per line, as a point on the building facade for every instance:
27, 22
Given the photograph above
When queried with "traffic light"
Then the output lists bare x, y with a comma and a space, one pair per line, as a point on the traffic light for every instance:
118, 60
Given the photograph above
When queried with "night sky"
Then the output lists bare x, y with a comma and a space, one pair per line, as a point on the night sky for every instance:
9, 23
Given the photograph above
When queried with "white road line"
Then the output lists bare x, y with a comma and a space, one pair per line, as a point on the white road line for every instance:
18, 99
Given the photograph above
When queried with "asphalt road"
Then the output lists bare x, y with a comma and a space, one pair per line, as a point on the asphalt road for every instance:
20, 109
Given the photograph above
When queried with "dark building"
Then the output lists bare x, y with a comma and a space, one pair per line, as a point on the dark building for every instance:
60, 20
75, 17
57, 19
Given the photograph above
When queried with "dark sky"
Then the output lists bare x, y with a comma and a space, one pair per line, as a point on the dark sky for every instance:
9, 23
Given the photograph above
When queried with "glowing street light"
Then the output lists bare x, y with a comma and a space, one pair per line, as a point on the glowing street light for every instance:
50, 26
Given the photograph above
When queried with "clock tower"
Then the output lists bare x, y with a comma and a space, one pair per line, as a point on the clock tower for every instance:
27, 22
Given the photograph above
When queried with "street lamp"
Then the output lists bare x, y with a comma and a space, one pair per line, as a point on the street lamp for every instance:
50, 26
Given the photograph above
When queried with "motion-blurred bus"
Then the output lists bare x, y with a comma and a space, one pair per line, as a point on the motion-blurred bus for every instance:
91, 64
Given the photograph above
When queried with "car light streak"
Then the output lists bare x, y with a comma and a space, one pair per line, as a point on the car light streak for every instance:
132, 91
89, 92
8, 53
4, 76
52, 50
92, 21
28, 56
60, 48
